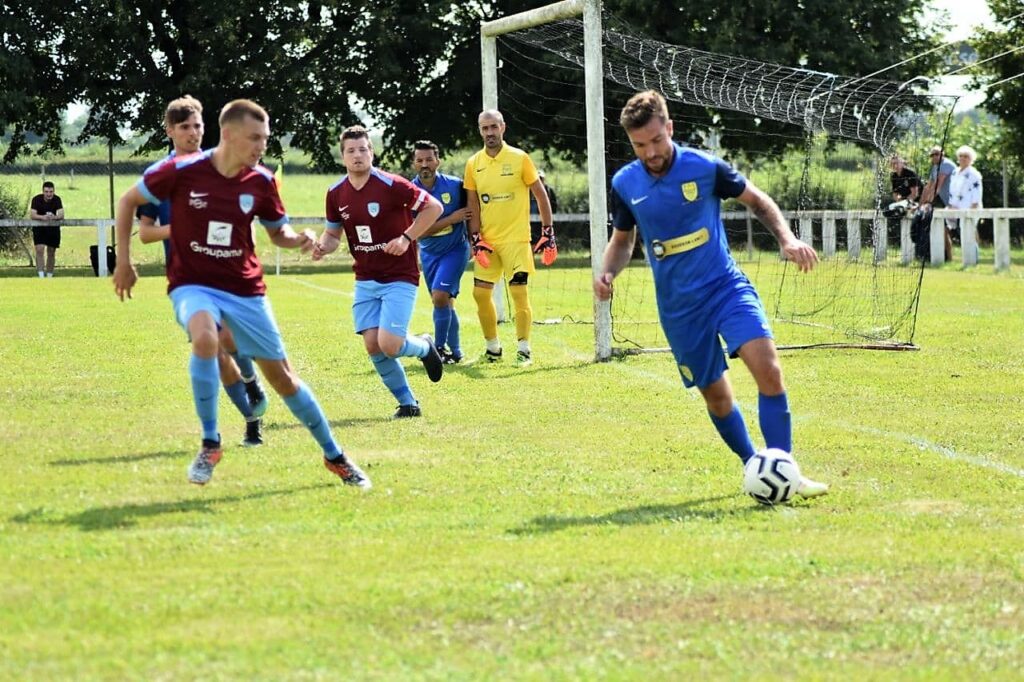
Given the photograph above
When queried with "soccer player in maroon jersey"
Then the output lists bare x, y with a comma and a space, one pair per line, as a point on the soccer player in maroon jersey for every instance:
215, 276
374, 208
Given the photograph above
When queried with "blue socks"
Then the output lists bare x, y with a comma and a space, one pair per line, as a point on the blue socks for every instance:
393, 375
307, 410
442, 322
734, 432
245, 365
240, 398
454, 342
776, 422
205, 381
414, 347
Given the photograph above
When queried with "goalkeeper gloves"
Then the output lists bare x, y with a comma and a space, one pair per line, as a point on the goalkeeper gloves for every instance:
481, 251
547, 245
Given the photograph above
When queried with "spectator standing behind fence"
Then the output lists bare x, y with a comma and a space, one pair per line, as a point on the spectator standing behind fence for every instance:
965, 185
936, 192
46, 206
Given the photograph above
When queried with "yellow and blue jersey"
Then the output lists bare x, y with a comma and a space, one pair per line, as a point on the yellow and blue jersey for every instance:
679, 220
448, 190
503, 184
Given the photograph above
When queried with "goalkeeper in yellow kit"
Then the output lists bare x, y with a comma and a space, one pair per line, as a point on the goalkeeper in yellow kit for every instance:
498, 181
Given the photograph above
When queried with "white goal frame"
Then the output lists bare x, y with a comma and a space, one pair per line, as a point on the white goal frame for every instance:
594, 85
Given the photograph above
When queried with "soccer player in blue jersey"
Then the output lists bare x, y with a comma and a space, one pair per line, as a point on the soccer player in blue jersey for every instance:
183, 123
673, 195
444, 248
215, 276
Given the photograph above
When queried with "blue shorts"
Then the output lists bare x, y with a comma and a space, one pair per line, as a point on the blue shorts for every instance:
249, 318
387, 306
443, 272
733, 312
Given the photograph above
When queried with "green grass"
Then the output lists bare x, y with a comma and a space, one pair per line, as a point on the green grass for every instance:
566, 521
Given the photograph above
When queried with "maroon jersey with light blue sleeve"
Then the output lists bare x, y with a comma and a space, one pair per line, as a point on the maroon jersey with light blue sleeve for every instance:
211, 228
371, 217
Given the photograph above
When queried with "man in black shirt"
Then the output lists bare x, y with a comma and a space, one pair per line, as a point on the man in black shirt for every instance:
46, 207
905, 185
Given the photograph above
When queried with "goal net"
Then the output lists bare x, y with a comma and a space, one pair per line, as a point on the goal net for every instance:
819, 143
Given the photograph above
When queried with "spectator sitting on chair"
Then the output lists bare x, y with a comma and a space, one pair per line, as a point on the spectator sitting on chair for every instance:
48, 207
936, 191
905, 185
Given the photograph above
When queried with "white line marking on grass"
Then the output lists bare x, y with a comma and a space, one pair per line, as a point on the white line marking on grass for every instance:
329, 290
944, 450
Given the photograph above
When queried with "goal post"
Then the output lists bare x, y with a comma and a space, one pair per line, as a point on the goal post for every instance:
594, 87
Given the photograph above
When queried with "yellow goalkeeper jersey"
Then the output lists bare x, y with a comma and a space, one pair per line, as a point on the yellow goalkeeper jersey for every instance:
503, 186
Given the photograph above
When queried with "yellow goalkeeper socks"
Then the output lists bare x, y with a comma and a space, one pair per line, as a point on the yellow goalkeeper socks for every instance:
524, 314
486, 311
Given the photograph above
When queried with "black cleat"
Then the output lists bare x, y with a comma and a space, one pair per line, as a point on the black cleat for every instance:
491, 356
405, 411
432, 362
450, 358
253, 434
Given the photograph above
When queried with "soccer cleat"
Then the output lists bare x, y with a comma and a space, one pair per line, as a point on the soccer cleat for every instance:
406, 411
491, 356
253, 434
432, 361
201, 470
257, 398
809, 488
448, 357
523, 358
348, 472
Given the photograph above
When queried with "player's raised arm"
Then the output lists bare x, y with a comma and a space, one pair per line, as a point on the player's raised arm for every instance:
125, 275
767, 212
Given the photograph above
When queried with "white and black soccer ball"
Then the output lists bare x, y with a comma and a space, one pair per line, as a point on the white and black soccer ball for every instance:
771, 476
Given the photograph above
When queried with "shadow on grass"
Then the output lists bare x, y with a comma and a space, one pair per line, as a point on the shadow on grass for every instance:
703, 508
383, 418
127, 515
119, 459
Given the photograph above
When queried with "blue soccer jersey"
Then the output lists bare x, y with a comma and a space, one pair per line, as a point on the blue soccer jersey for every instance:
448, 190
679, 220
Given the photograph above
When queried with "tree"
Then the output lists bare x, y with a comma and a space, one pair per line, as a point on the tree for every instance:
1005, 100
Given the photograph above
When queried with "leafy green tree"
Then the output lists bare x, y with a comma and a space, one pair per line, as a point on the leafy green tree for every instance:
1005, 100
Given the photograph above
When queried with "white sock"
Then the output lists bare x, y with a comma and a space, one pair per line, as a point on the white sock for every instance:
49, 274
494, 345
42, 274
524, 345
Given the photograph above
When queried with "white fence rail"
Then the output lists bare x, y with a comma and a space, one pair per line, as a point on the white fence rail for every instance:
801, 221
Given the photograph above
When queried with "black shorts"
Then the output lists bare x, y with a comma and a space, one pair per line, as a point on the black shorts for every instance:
46, 235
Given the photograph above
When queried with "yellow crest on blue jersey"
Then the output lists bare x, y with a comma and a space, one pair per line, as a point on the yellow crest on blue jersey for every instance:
690, 191
446, 197
685, 372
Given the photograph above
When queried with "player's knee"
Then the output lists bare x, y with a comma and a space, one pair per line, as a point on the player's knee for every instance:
391, 346
440, 298
205, 344
519, 278
482, 296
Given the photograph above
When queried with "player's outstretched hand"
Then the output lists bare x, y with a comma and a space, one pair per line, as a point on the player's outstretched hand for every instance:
482, 251
546, 245
310, 243
125, 278
603, 286
802, 254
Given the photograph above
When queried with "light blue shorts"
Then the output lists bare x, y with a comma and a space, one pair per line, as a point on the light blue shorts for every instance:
733, 312
249, 318
444, 272
387, 306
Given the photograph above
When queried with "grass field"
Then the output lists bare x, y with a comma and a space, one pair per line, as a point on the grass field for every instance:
565, 521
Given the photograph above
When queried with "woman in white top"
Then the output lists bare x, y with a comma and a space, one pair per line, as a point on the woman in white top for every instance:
965, 183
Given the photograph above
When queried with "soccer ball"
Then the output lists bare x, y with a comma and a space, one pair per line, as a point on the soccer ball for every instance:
771, 476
